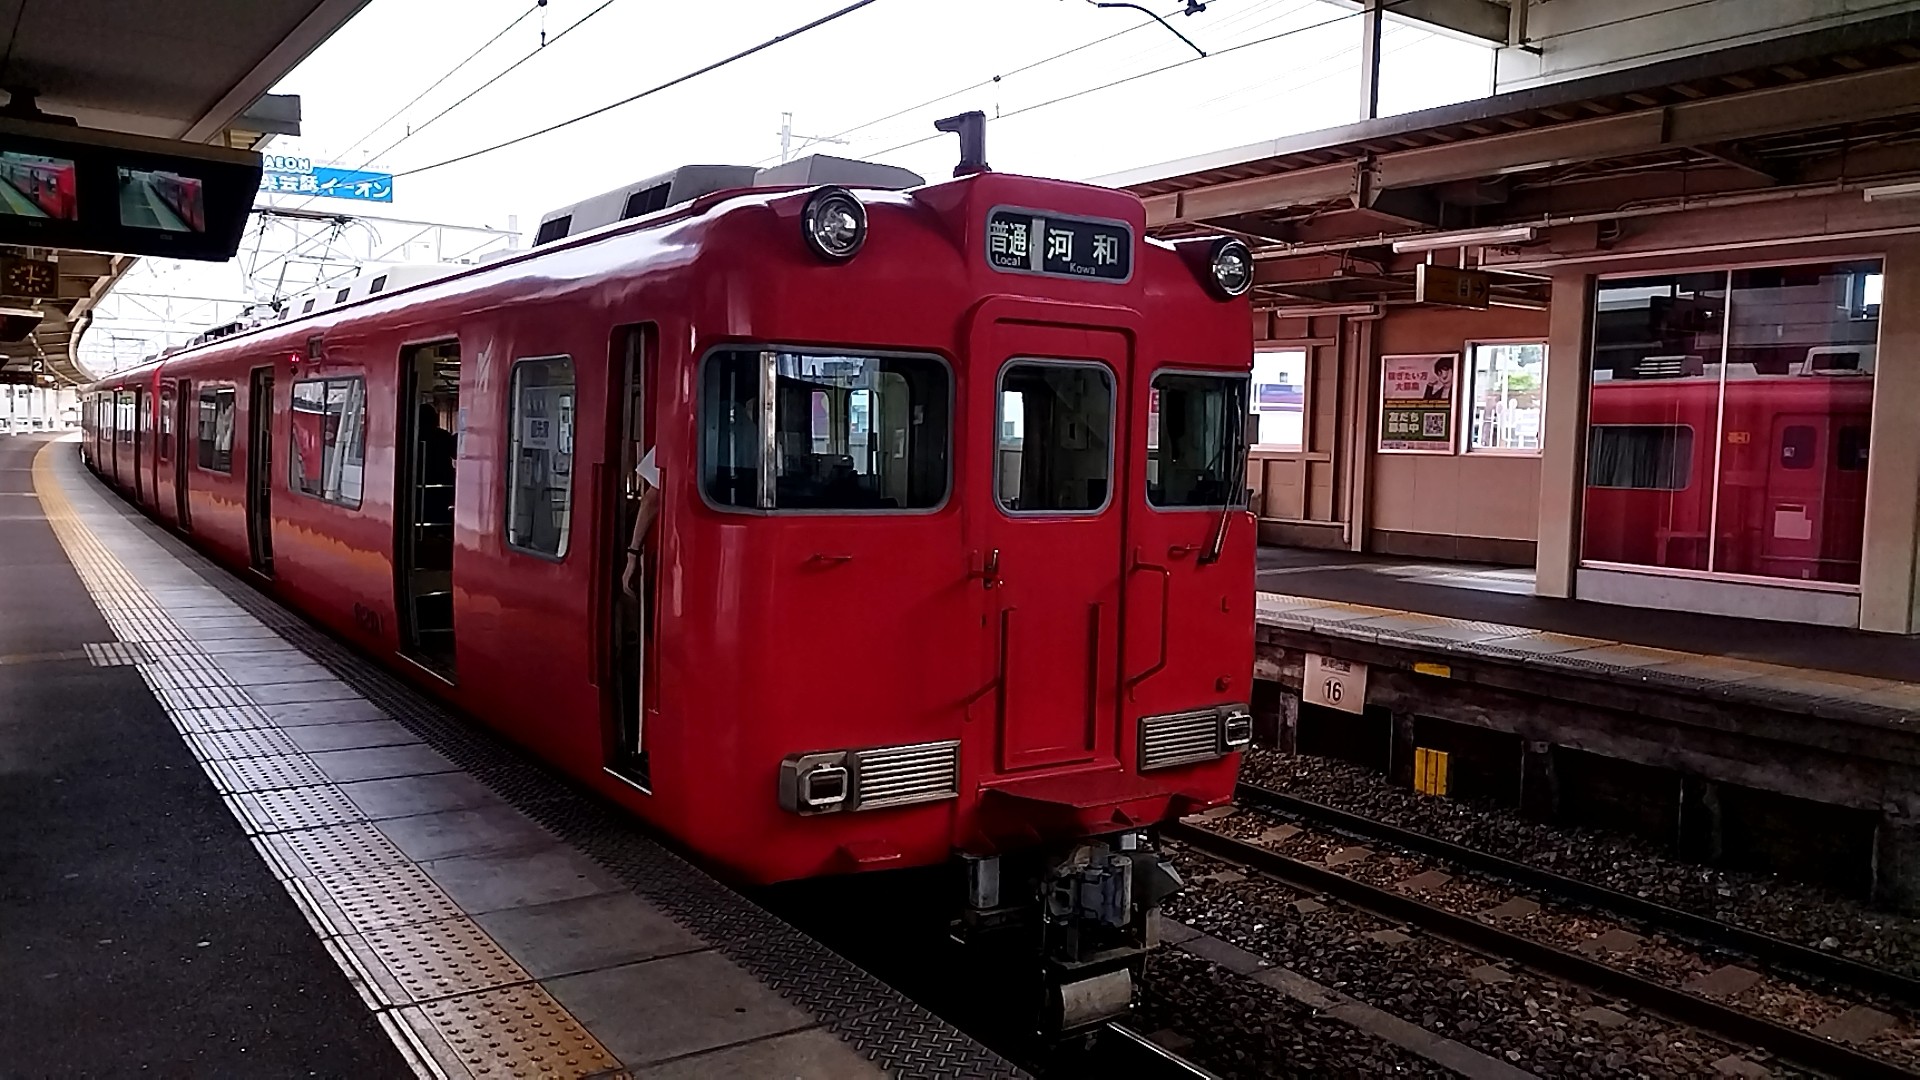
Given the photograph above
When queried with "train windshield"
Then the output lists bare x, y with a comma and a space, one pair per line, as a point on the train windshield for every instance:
1196, 440
849, 432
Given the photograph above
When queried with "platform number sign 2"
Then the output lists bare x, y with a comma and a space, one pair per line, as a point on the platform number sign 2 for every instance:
1334, 683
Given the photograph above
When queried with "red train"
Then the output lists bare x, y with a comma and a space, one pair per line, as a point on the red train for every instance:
919, 593
48, 182
1791, 466
184, 195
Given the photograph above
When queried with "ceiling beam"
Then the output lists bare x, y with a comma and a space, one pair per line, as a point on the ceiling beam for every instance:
1301, 187
326, 17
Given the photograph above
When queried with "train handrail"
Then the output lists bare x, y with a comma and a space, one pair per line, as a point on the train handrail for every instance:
1166, 616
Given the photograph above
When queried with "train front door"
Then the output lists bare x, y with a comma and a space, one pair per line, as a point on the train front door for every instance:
260, 470
1050, 541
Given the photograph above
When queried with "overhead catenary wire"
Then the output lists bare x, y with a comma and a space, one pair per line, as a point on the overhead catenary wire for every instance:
1084, 91
650, 91
992, 79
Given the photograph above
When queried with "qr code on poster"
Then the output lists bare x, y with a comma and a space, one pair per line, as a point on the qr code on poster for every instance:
1434, 425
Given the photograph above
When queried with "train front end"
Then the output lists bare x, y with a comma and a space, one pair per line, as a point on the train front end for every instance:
989, 570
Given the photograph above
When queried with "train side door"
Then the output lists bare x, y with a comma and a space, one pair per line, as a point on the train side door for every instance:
183, 444
142, 427
429, 419
1052, 536
630, 699
260, 469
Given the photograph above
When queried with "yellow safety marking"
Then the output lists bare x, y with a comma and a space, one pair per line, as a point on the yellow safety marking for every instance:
1429, 771
453, 1001
518, 1031
1439, 671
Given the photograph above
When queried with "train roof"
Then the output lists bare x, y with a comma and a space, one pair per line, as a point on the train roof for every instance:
680, 186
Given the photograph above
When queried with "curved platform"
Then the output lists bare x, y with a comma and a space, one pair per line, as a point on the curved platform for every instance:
393, 892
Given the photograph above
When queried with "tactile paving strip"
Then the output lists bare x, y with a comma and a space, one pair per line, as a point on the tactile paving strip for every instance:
428, 961
221, 745
294, 808
203, 721
115, 654
268, 773
359, 848
518, 1031
400, 895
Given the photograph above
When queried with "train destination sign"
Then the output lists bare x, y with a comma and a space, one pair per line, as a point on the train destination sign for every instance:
1036, 242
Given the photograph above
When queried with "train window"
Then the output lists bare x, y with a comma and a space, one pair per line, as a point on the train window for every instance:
1799, 444
1196, 430
329, 435
1067, 410
163, 448
540, 456
124, 410
849, 432
216, 430
1656, 457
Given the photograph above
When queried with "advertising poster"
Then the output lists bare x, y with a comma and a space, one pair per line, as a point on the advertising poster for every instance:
1416, 403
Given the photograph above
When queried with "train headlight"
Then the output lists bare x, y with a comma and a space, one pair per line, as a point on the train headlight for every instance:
1231, 264
835, 224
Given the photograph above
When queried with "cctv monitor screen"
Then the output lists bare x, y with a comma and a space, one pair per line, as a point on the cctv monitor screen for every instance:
70, 187
37, 186
158, 199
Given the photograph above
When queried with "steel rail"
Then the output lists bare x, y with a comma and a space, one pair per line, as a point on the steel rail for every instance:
1772, 951
1144, 1059
1800, 1047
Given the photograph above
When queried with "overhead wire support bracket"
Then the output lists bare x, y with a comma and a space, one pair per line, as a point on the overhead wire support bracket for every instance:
1192, 8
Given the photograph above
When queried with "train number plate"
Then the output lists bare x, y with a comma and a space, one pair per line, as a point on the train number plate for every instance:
1334, 683
1037, 242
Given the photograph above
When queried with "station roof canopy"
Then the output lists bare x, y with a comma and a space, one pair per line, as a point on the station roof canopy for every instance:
1819, 112
196, 71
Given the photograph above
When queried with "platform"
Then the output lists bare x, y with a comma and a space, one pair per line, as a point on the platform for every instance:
233, 847
1823, 715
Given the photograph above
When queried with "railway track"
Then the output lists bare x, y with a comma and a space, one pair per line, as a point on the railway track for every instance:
1776, 953
1140, 1058
1794, 1045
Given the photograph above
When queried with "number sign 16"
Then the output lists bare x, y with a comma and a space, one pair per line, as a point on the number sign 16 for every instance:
1334, 683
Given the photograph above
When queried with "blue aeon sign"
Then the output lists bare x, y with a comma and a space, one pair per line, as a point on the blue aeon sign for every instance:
285, 175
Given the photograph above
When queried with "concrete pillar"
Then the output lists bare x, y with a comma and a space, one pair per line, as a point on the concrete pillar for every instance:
1896, 860
1400, 750
1563, 450
1279, 727
1702, 829
1539, 782
1888, 601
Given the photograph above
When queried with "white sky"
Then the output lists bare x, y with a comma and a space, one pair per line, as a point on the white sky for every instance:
836, 79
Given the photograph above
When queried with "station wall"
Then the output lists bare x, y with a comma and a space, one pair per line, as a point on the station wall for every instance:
1569, 39
1475, 505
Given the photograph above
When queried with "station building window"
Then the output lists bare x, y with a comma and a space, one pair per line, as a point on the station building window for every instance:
215, 430
1195, 427
329, 435
1280, 399
540, 456
1729, 421
848, 432
1504, 396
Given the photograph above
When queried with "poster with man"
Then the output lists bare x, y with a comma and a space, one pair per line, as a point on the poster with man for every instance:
1416, 403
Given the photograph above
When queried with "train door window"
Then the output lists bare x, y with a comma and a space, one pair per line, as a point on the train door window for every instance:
1657, 457
431, 427
1799, 445
215, 453
163, 446
1196, 429
328, 436
124, 411
1054, 437
540, 456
